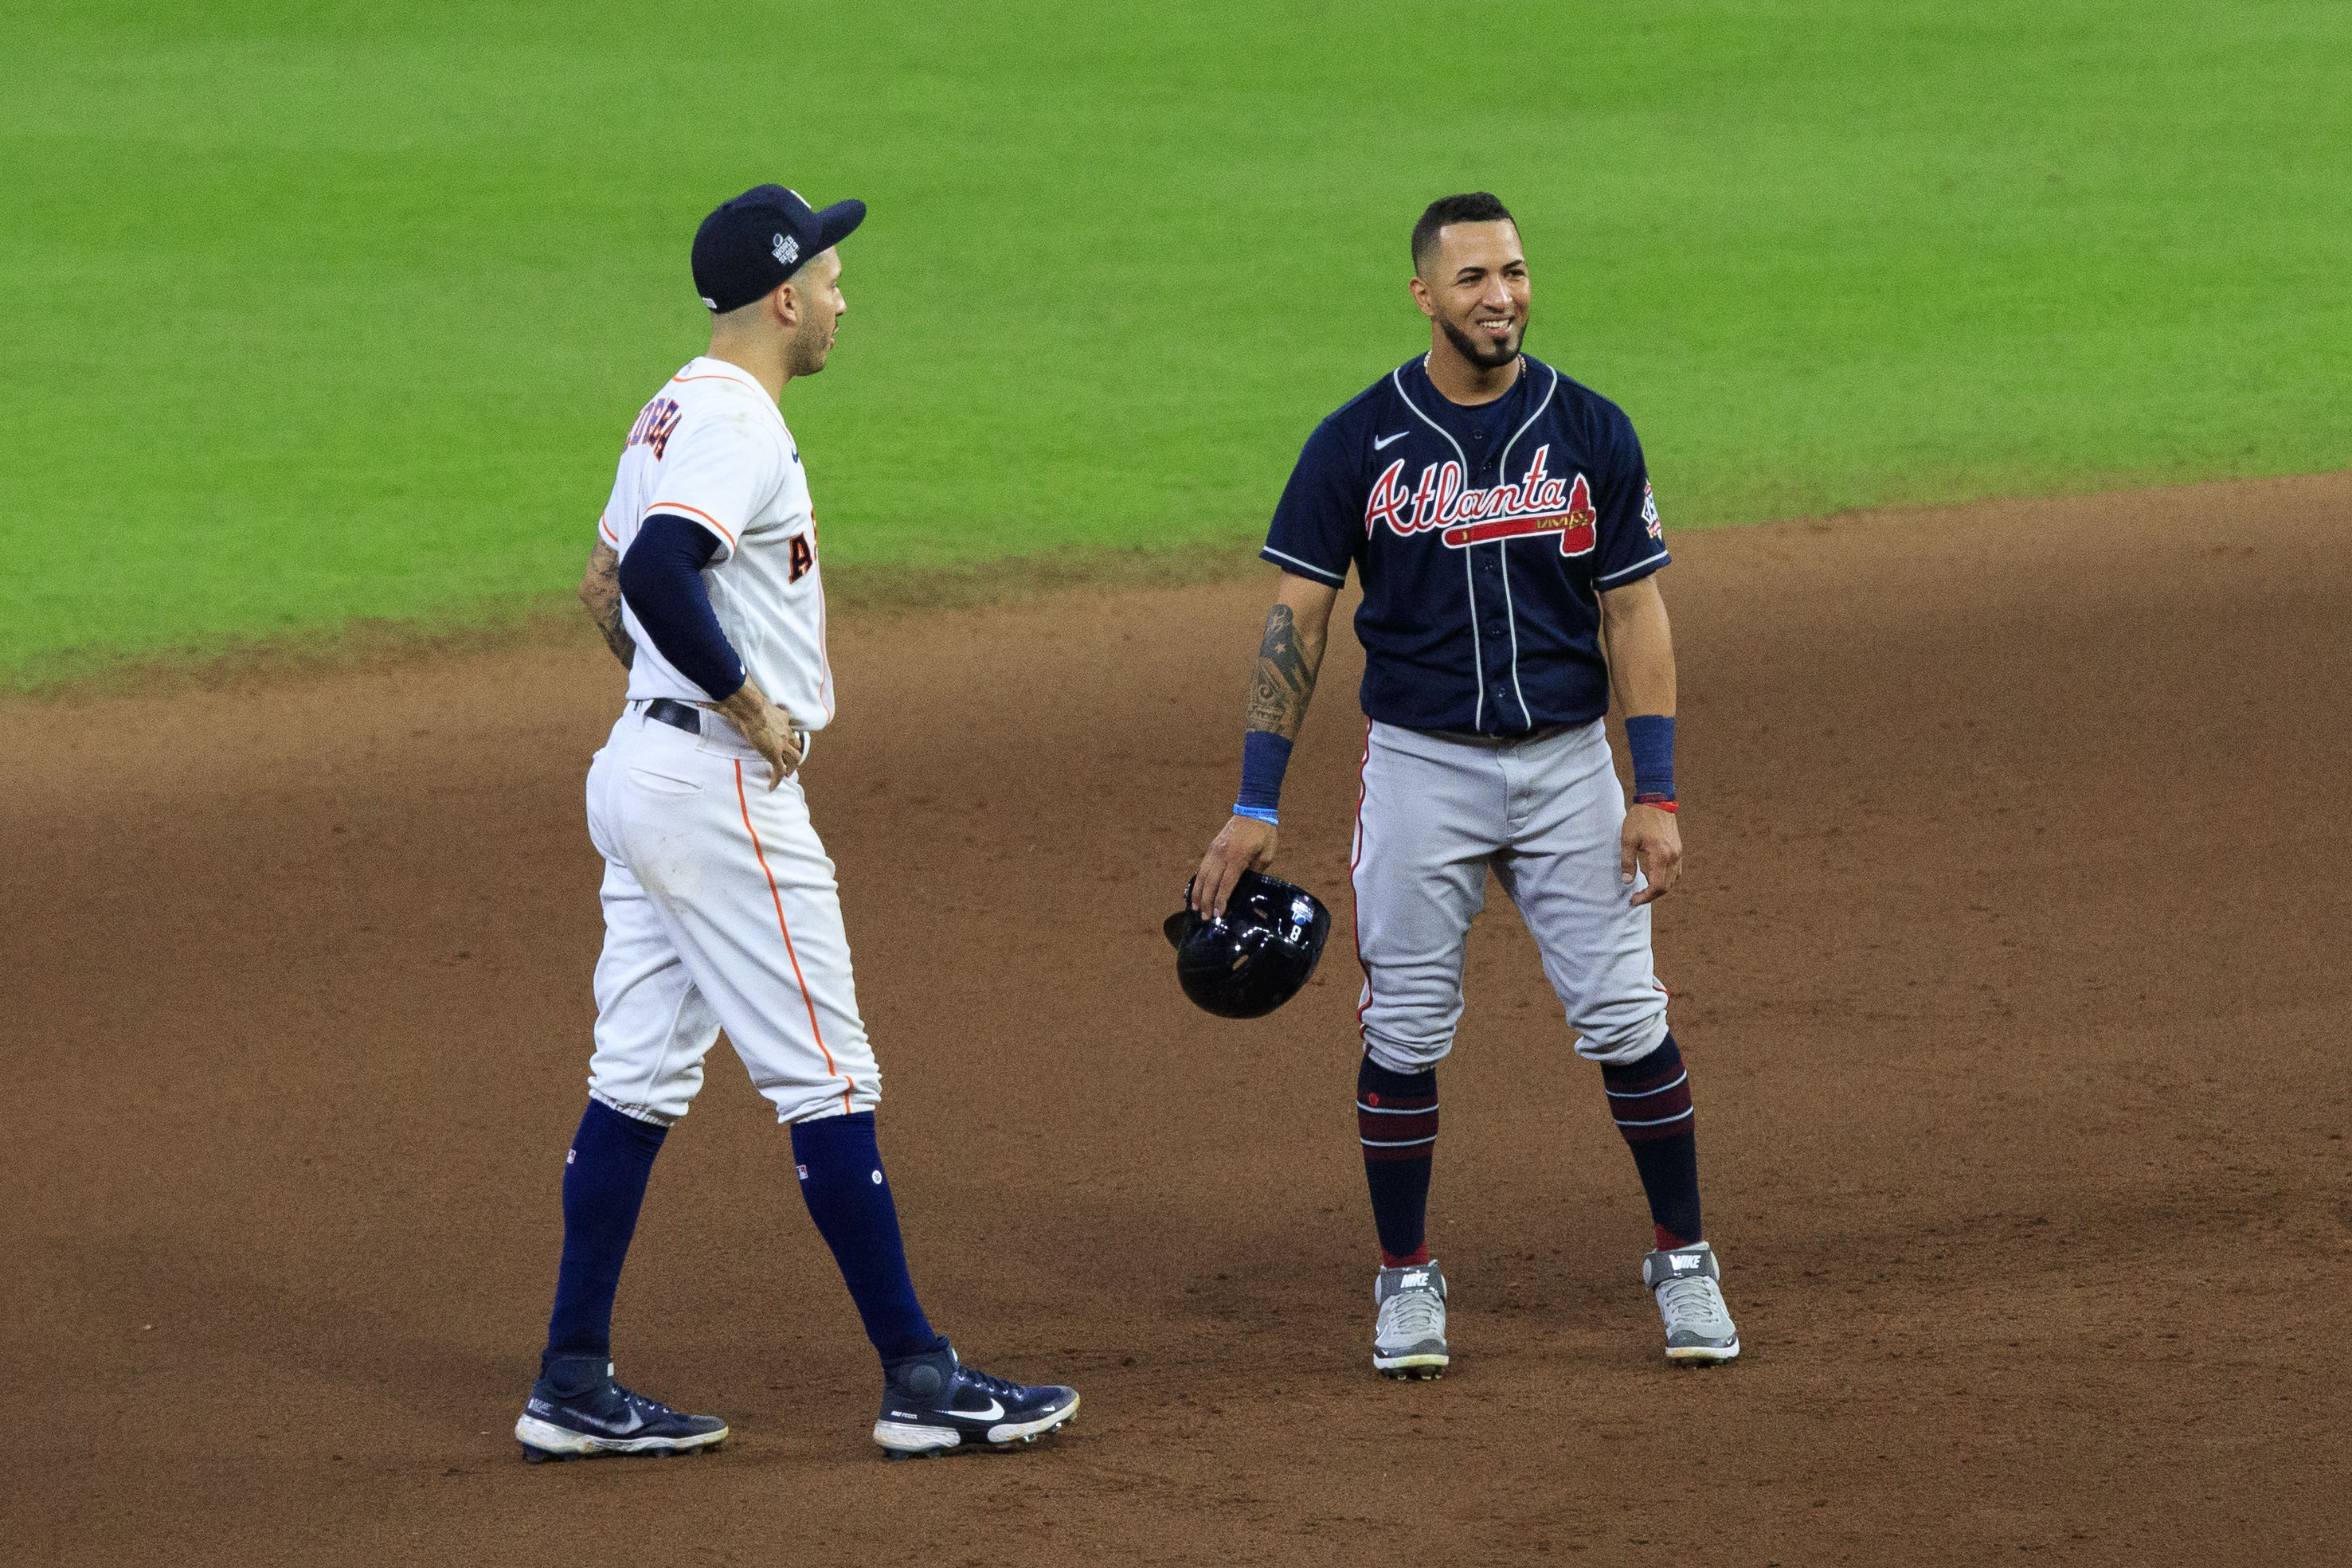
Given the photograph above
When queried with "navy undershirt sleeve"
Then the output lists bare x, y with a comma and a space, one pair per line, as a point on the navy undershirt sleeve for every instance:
661, 577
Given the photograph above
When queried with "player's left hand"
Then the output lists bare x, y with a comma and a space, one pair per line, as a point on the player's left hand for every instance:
1652, 841
768, 727
1245, 843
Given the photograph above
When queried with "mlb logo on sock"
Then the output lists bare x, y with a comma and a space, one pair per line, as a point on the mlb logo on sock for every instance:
804, 1170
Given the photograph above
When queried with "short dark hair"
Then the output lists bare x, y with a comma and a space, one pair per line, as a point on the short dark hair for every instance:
1473, 207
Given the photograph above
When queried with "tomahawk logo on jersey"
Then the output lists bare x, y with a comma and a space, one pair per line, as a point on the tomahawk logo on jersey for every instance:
1483, 536
1535, 504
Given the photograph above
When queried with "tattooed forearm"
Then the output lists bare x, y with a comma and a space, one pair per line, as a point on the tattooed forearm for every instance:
624, 647
1287, 660
599, 590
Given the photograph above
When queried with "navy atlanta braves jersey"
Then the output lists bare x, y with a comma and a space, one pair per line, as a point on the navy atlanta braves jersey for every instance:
1483, 538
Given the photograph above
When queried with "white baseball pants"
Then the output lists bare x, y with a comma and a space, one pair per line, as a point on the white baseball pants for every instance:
1546, 815
720, 911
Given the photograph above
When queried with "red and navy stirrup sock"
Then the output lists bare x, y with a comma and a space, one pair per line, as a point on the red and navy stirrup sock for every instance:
849, 1198
605, 1179
1396, 1118
1651, 1101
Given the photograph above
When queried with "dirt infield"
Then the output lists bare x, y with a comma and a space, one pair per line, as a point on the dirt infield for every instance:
2010, 967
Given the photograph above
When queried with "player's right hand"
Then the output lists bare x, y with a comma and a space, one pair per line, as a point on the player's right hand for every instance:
768, 727
1245, 844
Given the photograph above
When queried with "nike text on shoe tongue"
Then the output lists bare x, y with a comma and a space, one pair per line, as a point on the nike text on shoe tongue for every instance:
1698, 1324
1409, 1337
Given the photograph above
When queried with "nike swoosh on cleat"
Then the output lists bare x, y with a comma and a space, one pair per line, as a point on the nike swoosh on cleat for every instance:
1378, 442
636, 1421
995, 1412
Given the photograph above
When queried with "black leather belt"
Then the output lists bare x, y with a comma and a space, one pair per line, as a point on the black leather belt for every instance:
1498, 742
675, 714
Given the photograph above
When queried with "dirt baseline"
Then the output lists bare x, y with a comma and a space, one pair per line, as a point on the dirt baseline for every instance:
2010, 967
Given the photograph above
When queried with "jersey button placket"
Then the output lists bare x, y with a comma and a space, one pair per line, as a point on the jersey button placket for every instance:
1492, 633
1495, 624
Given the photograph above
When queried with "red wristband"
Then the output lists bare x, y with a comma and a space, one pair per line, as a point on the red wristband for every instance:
1661, 805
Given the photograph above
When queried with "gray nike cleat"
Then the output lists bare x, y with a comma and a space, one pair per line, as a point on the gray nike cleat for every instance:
1699, 1329
1408, 1341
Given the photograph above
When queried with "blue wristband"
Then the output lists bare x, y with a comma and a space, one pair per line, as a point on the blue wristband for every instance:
1650, 737
1266, 756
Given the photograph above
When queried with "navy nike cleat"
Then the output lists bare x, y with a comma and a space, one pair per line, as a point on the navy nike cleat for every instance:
576, 1409
934, 1404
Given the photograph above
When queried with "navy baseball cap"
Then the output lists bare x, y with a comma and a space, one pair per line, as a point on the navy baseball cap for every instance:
761, 238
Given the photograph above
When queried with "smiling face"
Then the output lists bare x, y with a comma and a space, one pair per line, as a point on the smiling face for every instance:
1474, 286
818, 307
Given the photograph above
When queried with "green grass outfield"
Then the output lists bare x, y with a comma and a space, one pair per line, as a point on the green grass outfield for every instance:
322, 311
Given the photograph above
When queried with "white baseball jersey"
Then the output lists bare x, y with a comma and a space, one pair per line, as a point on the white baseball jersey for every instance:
720, 909
712, 448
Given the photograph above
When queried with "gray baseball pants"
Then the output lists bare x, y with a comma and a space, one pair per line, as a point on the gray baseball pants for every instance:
1544, 814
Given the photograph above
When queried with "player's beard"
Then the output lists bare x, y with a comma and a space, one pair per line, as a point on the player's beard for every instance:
1486, 358
808, 348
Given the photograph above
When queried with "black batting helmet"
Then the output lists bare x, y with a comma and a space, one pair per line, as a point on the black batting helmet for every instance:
1256, 957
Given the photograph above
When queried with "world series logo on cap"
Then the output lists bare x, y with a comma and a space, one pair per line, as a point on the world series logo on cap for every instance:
788, 249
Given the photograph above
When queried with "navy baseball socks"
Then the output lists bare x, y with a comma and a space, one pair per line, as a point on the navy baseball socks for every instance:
842, 1182
576, 1409
1396, 1122
1397, 1119
931, 1403
605, 1176
1651, 1102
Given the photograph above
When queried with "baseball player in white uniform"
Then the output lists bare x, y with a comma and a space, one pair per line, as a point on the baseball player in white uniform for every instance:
721, 908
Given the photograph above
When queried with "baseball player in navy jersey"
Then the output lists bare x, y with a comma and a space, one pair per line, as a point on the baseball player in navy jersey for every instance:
720, 909
1498, 517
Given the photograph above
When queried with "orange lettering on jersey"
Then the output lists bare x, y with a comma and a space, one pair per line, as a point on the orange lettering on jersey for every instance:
801, 559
